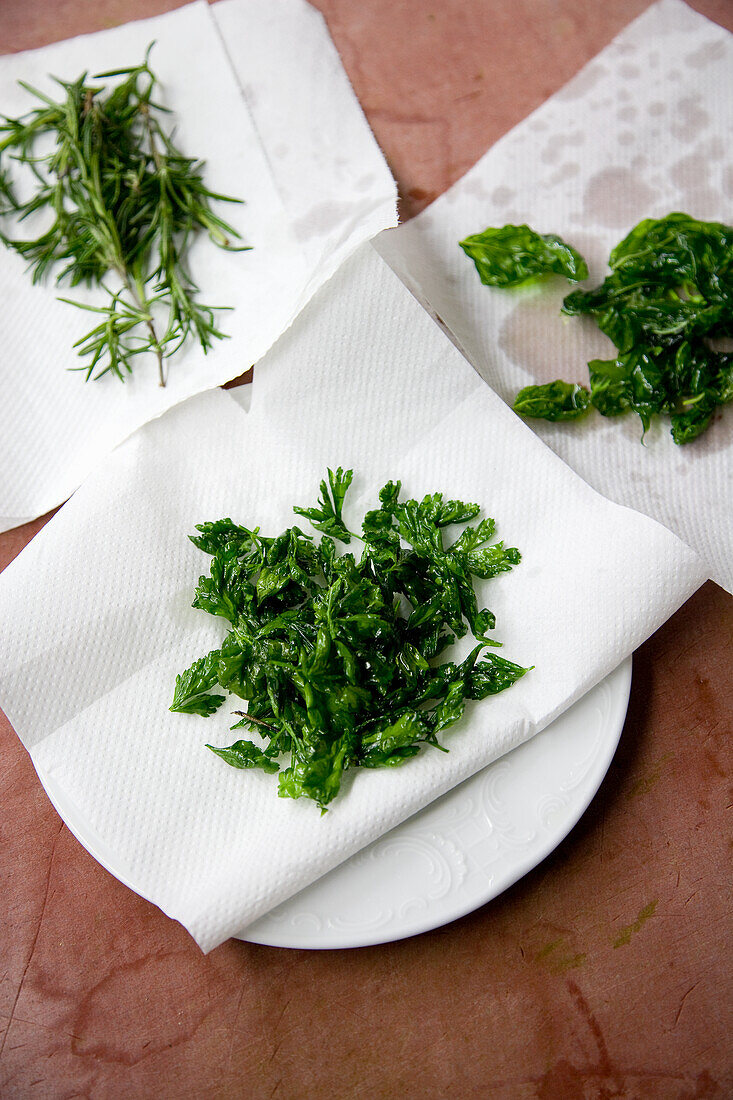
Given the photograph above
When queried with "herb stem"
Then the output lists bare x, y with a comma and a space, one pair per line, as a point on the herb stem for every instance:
138, 296
251, 718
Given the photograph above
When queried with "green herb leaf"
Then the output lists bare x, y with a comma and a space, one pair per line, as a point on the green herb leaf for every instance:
327, 516
244, 754
515, 254
192, 687
553, 401
491, 675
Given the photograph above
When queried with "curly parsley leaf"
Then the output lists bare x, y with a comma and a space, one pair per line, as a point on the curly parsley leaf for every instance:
334, 655
327, 516
244, 754
191, 695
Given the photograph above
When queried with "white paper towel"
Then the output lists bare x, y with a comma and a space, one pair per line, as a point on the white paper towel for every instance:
95, 615
642, 130
280, 129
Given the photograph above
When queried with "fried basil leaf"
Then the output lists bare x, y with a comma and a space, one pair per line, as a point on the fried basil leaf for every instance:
666, 303
553, 401
515, 254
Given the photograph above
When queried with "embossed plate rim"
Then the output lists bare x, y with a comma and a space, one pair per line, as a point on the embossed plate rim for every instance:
273, 929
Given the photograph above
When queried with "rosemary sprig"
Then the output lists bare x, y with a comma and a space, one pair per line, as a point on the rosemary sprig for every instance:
125, 204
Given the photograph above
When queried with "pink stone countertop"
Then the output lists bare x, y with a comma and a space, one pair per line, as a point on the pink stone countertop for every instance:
604, 973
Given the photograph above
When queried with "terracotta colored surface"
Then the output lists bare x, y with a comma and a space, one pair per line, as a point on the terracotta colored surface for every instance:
604, 973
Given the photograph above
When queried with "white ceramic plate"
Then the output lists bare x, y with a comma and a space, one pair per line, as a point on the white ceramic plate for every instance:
455, 855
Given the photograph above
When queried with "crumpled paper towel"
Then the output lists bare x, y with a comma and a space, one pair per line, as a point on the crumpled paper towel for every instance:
644, 129
258, 92
95, 615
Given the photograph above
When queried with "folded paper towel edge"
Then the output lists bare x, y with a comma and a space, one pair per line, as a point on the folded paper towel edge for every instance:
196, 922
695, 575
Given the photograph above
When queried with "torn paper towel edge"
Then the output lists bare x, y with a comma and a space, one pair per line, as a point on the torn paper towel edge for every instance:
350, 144
317, 118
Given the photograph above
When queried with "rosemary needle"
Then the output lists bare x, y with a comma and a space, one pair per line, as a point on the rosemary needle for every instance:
125, 204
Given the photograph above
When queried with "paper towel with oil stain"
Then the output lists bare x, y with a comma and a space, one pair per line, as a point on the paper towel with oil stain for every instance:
642, 130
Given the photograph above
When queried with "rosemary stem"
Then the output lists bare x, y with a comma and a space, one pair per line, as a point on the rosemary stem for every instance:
138, 297
144, 110
158, 352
